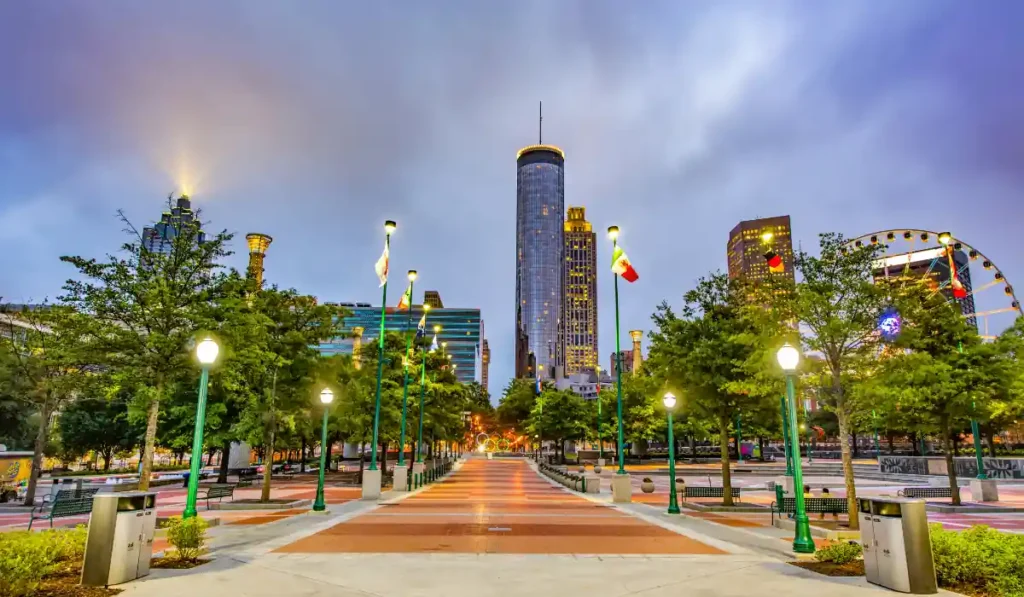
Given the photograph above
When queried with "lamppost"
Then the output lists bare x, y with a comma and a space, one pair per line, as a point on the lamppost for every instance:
389, 227
326, 397
787, 436
423, 385
789, 358
206, 352
613, 233
673, 505
405, 384
600, 443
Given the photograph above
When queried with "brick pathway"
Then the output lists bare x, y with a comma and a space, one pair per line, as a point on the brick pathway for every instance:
497, 506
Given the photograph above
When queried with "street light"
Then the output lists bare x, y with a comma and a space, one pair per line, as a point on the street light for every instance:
389, 227
326, 397
613, 234
789, 358
405, 383
673, 505
418, 464
206, 353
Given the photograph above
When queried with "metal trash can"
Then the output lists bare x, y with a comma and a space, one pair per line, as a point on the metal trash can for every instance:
897, 547
120, 541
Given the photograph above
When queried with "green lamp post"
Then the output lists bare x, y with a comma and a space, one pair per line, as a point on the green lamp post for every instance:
206, 353
673, 505
423, 386
789, 358
613, 233
389, 227
326, 397
787, 435
405, 384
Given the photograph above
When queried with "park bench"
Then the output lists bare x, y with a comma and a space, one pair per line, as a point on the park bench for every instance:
812, 505
709, 492
926, 492
349, 477
68, 502
218, 492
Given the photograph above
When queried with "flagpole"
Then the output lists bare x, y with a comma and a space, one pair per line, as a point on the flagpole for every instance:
405, 385
423, 386
613, 232
389, 226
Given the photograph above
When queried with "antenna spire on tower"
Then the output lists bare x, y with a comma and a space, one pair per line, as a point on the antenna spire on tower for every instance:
540, 128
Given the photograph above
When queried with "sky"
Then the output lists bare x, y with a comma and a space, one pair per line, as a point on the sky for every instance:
316, 121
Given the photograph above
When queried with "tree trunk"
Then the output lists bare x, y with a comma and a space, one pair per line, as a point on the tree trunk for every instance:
209, 456
383, 457
955, 443
914, 444
225, 457
327, 460
892, 447
856, 452
844, 443
149, 446
693, 448
760, 446
954, 489
361, 460
108, 455
37, 452
723, 443
302, 457
990, 437
268, 467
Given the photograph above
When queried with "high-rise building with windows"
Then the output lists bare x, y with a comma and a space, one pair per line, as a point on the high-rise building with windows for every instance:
433, 298
461, 329
580, 293
762, 247
159, 238
485, 364
627, 362
540, 267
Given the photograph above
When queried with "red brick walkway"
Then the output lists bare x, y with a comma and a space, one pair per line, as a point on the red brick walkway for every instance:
497, 506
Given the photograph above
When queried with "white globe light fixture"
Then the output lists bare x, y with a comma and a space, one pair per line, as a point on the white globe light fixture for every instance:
669, 400
326, 396
789, 357
207, 351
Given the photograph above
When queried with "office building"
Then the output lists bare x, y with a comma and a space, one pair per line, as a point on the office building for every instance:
485, 364
540, 267
462, 329
761, 248
587, 384
433, 298
159, 238
580, 293
627, 363
932, 264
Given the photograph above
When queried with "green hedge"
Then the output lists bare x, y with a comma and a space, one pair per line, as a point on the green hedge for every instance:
979, 560
26, 557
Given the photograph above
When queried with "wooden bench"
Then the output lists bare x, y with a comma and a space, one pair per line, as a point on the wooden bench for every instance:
812, 505
64, 506
926, 492
218, 492
709, 492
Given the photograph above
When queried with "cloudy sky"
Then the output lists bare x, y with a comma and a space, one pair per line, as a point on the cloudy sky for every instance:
315, 121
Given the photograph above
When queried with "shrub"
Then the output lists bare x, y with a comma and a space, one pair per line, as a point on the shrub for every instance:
979, 558
26, 557
839, 553
188, 536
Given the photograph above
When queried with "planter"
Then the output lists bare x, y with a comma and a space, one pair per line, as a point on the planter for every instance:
647, 486
680, 487
583, 469
597, 469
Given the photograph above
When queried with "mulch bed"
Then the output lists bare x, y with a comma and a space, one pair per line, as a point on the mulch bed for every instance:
175, 563
66, 584
854, 568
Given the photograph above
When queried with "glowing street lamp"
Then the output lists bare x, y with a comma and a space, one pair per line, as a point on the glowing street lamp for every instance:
389, 227
423, 385
405, 384
206, 354
326, 397
789, 358
673, 505
613, 234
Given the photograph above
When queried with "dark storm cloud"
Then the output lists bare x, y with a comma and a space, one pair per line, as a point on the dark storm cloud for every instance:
314, 122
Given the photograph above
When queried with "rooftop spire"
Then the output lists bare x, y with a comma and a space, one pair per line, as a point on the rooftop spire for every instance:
540, 127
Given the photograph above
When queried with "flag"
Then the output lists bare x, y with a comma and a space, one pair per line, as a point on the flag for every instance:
622, 266
403, 303
421, 327
959, 292
433, 345
382, 265
774, 261
539, 391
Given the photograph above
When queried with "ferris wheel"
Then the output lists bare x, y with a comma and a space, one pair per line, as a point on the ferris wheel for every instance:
954, 267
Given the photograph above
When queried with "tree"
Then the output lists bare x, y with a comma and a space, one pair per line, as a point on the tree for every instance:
46, 358
146, 308
839, 305
100, 425
702, 355
517, 402
561, 415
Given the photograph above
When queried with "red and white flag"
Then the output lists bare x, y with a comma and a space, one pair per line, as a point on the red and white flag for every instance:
622, 266
382, 265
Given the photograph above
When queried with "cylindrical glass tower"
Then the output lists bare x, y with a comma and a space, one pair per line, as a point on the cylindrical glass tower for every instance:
540, 209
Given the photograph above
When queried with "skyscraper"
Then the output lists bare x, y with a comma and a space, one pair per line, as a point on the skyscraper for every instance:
580, 293
159, 238
433, 298
485, 364
540, 209
762, 247
627, 362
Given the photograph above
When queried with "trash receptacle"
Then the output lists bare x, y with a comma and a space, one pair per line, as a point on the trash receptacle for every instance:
120, 541
897, 547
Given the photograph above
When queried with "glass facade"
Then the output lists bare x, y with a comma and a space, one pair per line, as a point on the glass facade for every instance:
540, 209
159, 238
462, 329
580, 295
751, 239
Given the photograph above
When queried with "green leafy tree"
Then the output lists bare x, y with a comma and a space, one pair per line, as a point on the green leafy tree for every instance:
146, 309
561, 415
99, 425
839, 305
702, 355
517, 402
47, 357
